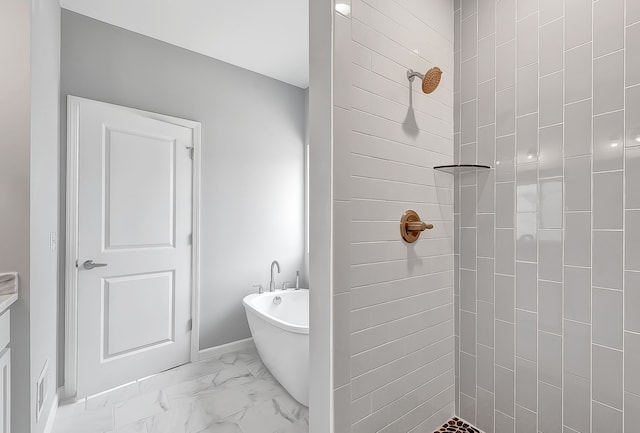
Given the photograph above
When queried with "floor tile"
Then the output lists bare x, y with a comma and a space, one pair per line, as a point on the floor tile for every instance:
140, 407
234, 393
457, 425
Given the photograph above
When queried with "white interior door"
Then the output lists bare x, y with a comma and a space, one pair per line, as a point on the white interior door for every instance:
134, 195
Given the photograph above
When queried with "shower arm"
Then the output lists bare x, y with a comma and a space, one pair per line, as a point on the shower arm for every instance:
411, 74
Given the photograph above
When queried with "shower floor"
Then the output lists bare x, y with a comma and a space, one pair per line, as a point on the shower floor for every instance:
456, 425
234, 393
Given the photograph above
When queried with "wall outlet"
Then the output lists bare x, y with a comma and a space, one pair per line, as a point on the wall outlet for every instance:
53, 241
42, 388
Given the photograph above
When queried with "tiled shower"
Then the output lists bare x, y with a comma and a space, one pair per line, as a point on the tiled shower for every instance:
547, 245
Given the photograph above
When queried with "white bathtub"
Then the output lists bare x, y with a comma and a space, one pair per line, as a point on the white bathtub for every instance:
281, 334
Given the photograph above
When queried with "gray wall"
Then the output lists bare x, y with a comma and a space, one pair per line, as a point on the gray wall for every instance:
253, 147
393, 330
29, 91
549, 281
45, 133
15, 28
320, 130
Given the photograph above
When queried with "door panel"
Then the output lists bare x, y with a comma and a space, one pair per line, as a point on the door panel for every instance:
134, 217
140, 214
124, 298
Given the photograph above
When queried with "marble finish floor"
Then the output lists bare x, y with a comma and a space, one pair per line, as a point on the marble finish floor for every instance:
234, 393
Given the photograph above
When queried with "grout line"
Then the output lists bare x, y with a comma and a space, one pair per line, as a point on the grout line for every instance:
411, 14
378, 116
610, 53
369, 350
624, 202
591, 185
610, 407
402, 396
607, 347
435, 187
380, 283
394, 142
393, 161
575, 321
440, 307
377, 200
402, 48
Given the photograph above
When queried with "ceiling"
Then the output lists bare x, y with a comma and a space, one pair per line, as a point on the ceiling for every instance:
267, 37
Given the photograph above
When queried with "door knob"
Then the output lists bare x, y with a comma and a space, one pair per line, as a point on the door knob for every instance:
89, 264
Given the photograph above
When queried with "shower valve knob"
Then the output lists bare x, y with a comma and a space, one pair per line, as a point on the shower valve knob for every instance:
411, 226
418, 226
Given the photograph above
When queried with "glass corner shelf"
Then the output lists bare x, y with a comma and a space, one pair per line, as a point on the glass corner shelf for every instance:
462, 168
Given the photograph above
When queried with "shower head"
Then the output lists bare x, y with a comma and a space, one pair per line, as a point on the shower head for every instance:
430, 80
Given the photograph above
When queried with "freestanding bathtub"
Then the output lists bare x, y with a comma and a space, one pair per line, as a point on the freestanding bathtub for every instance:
279, 323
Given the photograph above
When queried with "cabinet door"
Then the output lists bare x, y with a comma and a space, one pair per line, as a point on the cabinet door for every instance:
5, 391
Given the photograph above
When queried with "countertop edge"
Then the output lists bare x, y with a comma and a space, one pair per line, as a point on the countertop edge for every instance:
7, 300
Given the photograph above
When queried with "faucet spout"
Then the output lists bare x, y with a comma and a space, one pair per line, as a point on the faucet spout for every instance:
272, 284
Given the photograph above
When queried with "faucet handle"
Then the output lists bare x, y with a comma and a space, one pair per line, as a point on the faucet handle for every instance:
259, 286
284, 285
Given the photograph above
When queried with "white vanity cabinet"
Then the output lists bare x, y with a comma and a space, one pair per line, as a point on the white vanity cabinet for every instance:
8, 295
5, 391
5, 373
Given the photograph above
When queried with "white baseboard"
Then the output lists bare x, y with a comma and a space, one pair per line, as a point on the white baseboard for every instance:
48, 428
234, 346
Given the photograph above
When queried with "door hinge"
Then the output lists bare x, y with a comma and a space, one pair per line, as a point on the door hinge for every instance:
190, 325
190, 239
190, 149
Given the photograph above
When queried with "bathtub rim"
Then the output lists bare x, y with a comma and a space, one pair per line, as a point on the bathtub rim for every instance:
286, 326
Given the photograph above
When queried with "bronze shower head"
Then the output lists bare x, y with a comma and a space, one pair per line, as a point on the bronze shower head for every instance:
430, 80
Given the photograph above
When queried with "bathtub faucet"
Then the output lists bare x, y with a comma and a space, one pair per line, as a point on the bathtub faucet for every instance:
272, 284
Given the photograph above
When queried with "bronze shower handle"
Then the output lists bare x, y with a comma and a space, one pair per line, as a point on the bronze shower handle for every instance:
411, 226
418, 226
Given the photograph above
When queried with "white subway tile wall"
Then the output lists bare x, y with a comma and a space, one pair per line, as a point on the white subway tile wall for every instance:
547, 289
393, 306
